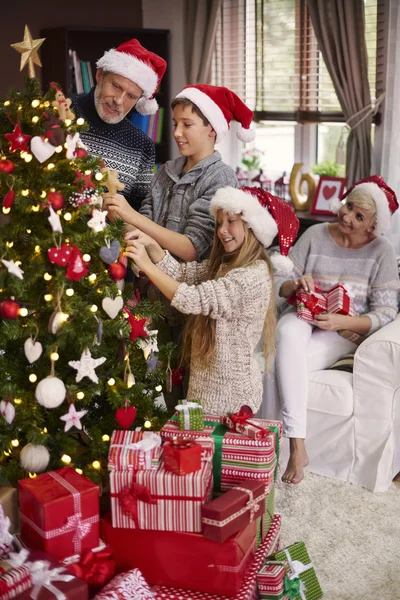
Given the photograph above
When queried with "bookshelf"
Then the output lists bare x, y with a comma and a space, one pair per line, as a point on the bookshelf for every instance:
90, 44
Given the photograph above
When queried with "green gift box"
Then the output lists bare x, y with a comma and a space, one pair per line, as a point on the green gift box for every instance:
191, 417
264, 522
300, 566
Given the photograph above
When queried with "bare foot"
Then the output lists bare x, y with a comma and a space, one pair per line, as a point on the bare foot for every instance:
298, 460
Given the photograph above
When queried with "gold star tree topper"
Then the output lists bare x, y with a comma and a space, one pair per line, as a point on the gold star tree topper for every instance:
29, 51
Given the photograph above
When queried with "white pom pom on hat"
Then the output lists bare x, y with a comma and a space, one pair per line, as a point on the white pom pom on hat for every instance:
220, 106
266, 215
146, 69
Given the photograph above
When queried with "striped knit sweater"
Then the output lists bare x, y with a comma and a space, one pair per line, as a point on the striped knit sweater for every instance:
370, 272
122, 146
238, 301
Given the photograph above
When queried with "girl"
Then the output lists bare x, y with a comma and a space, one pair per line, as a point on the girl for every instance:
352, 252
229, 298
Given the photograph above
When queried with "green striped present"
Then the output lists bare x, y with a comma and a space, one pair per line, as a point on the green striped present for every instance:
301, 566
190, 415
264, 522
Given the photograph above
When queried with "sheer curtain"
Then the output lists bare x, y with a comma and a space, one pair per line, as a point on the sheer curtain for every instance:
200, 27
339, 28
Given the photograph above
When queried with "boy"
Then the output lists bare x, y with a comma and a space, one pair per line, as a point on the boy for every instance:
181, 191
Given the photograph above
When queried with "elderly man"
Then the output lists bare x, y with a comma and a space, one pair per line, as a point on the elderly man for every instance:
126, 77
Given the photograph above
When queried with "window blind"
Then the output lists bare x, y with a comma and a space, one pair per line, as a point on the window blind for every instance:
266, 51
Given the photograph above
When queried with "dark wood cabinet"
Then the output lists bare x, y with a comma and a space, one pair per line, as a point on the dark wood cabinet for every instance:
90, 44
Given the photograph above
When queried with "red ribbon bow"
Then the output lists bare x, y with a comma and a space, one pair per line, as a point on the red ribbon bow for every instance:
312, 304
129, 497
96, 568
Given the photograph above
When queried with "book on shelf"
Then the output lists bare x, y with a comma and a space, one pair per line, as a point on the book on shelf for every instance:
151, 125
81, 74
85, 76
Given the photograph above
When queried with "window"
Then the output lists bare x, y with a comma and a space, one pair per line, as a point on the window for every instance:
266, 51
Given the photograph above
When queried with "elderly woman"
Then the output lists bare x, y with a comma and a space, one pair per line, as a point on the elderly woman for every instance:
350, 251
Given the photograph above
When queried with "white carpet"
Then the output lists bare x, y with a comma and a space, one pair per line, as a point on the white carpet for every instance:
352, 535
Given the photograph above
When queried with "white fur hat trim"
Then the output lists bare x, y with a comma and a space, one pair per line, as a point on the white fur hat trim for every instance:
209, 108
382, 206
258, 218
130, 67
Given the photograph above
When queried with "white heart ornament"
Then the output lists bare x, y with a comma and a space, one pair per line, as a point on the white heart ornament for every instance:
7, 410
32, 350
40, 149
112, 307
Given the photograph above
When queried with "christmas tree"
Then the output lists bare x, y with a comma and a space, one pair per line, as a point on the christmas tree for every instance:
77, 355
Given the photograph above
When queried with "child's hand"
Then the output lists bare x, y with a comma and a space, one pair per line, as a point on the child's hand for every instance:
305, 281
137, 252
133, 233
117, 206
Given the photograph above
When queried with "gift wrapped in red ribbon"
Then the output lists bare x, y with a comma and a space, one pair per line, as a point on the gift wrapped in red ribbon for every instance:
96, 568
182, 456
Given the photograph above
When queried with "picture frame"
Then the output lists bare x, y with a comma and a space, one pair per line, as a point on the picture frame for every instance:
327, 190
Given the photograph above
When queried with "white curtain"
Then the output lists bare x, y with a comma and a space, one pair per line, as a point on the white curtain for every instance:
390, 166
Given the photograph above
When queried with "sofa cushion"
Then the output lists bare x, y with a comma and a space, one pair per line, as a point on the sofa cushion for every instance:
346, 363
331, 392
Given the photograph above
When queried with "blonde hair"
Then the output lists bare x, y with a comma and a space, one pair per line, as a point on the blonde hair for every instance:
199, 340
364, 200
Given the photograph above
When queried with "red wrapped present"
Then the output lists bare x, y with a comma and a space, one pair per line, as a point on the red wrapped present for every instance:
246, 424
138, 449
51, 580
235, 456
15, 577
182, 456
184, 560
309, 304
96, 567
158, 499
340, 301
272, 580
248, 589
232, 511
59, 513
127, 586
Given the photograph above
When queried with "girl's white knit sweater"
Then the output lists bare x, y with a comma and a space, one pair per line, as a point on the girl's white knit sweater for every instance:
238, 301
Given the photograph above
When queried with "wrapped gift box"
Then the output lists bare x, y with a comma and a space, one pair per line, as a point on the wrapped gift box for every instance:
264, 522
137, 450
300, 566
59, 513
309, 304
158, 499
248, 589
9, 502
339, 301
272, 580
190, 415
184, 560
13, 581
235, 456
127, 586
256, 429
234, 510
51, 580
182, 456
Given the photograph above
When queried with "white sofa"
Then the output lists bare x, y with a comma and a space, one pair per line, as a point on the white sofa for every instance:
353, 420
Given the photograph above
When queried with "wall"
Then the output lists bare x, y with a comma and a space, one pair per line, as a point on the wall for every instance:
168, 14
47, 13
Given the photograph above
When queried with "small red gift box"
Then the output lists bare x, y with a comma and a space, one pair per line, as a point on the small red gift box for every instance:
232, 511
185, 560
13, 581
59, 513
310, 304
339, 301
248, 589
51, 580
182, 456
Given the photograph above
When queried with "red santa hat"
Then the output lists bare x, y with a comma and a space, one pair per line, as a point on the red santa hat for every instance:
266, 215
220, 105
141, 66
383, 196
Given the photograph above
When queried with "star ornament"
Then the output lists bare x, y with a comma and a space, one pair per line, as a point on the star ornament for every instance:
86, 366
137, 326
73, 418
13, 268
54, 220
28, 49
98, 220
18, 139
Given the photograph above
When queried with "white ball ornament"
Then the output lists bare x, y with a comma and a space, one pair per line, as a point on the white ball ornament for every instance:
50, 392
34, 458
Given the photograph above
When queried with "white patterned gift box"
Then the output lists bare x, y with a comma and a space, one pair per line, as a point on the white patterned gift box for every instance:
248, 591
127, 586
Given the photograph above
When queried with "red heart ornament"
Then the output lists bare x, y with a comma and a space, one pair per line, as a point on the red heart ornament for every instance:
328, 191
60, 256
125, 416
